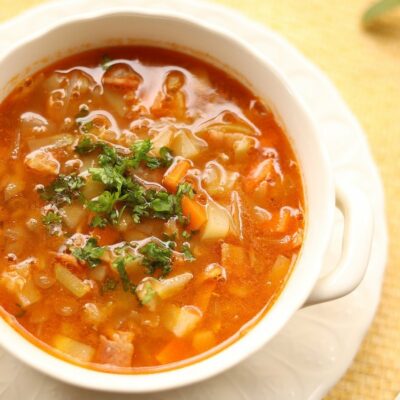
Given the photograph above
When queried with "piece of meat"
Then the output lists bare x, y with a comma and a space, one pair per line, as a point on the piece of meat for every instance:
43, 161
117, 351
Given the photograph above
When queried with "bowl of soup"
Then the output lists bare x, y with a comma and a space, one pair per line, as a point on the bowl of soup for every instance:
166, 203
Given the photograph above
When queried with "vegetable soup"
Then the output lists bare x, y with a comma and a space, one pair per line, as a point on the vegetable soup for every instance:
151, 208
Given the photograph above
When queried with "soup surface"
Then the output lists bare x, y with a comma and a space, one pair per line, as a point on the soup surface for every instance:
150, 207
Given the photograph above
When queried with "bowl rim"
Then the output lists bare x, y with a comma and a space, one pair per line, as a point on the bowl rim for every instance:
216, 362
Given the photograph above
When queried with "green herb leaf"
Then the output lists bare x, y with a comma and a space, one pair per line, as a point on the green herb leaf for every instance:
119, 264
98, 222
187, 254
157, 255
52, 218
86, 145
91, 253
378, 9
108, 285
63, 189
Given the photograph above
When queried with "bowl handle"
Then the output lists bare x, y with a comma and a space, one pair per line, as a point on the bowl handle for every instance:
357, 241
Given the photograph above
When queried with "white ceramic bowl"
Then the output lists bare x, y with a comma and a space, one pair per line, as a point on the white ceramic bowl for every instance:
224, 49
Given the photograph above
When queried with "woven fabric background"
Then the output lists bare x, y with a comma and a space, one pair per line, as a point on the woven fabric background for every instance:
365, 66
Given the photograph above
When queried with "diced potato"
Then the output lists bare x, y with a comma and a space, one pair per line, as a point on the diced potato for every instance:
232, 128
187, 145
218, 222
170, 287
73, 215
98, 273
29, 294
204, 340
71, 282
162, 139
181, 320
150, 289
18, 280
73, 348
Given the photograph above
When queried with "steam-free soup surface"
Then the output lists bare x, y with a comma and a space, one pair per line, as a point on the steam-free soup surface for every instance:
150, 207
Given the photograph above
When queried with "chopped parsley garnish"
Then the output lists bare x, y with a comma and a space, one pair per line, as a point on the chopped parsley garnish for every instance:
119, 264
86, 127
108, 285
187, 254
52, 218
91, 253
63, 189
156, 255
86, 145
98, 222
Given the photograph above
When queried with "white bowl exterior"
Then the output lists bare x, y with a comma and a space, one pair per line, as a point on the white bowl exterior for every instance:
165, 29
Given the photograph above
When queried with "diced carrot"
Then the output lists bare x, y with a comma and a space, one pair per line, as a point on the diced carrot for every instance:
175, 350
203, 340
203, 295
175, 174
106, 236
195, 211
262, 171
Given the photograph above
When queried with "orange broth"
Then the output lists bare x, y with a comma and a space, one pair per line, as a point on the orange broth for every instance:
199, 229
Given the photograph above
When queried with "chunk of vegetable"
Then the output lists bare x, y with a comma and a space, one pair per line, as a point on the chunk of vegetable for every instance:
150, 288
107, 235
195, 212
162, 139
170, 287
218, 222
175, 350
203, 341
18, 280
73, 348
187, 145
175, 174
71, 282
181, 320
73, 215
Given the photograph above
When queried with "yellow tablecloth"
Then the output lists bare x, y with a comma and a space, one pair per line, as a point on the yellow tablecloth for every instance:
365, 66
